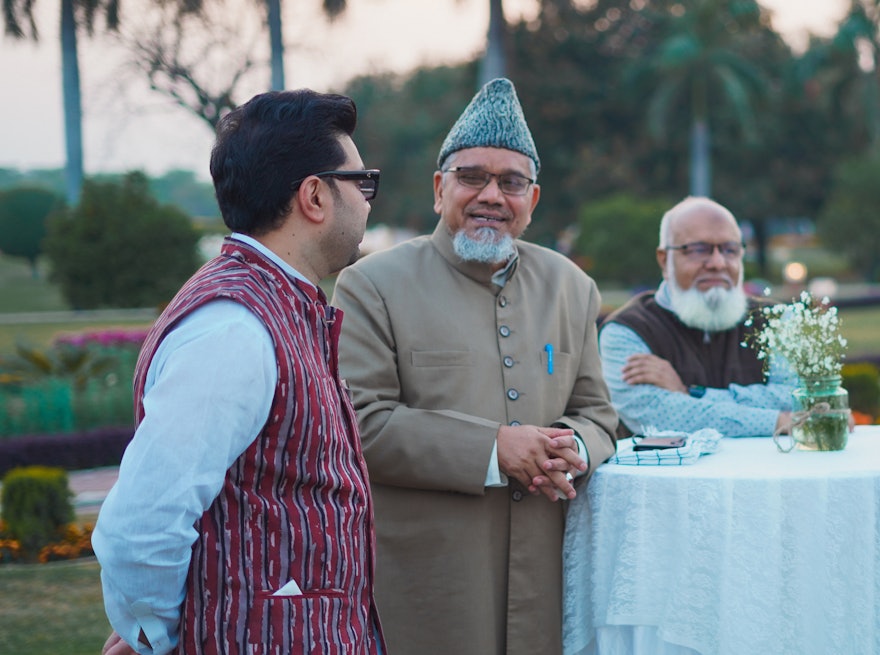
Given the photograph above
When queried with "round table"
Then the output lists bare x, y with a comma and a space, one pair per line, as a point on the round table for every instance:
748, 550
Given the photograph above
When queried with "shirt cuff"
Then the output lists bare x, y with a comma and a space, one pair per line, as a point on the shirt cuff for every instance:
494, 476
153, 628
583, 452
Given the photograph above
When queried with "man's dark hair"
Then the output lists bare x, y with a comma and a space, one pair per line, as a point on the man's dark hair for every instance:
268, 143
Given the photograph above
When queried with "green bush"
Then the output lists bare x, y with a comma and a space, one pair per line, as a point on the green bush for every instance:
37, 407
23, 216
848, 221
120, 248
862, 381
618, 238
37, 506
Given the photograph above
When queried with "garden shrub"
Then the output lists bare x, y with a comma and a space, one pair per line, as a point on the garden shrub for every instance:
24, 214
862, 381
36, 406
617, 240
37, 506
120, 248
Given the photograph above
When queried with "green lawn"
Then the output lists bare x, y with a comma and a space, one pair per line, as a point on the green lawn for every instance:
46, 609
21, 292
860, 327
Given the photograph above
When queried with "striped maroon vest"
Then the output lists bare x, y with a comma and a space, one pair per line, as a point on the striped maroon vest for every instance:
296, 504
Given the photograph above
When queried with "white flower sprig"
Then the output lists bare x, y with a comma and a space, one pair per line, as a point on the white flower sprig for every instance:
805, 333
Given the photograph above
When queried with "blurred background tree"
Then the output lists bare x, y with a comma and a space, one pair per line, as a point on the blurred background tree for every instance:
600, 83
697, 69
848, 222
24, 213
120, 248
625, 255
18, 19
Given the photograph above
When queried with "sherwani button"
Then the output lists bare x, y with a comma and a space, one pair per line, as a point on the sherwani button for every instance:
502, 301
515, 423
504, 331
508, 361
517, 495
513, 394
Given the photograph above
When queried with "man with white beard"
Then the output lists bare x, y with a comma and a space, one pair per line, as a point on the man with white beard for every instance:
673, 358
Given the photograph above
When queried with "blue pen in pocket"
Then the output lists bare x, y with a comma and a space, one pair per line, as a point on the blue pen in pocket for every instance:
549, 349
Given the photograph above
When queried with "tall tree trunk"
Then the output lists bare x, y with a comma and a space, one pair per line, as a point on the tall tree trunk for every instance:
72, 103
276, 42
872, 108
494, 62
759, 225
701, 172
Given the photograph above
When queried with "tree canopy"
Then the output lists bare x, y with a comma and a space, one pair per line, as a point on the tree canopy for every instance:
24, 214
576, 67
120, 248
848, 222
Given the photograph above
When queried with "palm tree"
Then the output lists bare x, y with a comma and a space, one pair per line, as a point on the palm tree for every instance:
332, 9
494, 62
73, 13
859, 37
697, 62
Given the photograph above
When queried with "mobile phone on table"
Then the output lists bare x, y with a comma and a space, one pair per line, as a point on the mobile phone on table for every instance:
658, 443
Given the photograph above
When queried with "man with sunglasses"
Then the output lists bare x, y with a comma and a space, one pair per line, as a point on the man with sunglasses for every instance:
241, 521
472, 359
674, 358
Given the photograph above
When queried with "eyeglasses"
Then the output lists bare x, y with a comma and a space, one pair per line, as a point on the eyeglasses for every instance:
703, 250
510, 184
367, 180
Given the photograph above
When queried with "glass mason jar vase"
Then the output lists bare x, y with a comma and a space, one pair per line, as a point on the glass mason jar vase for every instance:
821, 414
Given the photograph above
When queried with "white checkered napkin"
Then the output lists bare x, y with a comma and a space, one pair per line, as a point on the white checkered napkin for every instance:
701, 442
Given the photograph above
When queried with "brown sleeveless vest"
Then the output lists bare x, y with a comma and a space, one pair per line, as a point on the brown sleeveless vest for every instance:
708, 359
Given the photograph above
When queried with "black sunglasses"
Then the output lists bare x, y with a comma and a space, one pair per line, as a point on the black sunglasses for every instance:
367, 180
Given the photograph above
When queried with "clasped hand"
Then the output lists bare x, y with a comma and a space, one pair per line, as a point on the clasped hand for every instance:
539, 458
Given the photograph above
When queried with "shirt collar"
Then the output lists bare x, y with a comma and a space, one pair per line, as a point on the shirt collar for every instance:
663, 297
269, 254
502, 275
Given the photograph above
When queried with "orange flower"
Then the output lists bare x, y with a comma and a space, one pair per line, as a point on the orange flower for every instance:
861, 418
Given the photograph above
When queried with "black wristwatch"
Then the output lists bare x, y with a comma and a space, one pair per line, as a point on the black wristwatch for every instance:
696, 391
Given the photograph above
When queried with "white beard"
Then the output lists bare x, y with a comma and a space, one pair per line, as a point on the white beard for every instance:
485, 246
714, 310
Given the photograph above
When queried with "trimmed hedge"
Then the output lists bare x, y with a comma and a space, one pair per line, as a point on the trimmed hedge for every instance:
862, 381
36, 506
82, 450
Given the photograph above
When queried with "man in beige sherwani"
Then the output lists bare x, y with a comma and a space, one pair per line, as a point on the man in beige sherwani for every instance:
472, 359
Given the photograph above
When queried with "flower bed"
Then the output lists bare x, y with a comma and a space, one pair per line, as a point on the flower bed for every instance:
76, 542
81, 382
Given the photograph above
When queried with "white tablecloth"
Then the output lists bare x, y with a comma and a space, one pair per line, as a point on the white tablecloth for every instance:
747, 551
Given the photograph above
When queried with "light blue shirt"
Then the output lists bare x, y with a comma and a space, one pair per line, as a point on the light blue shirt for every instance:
207, 396
736, 411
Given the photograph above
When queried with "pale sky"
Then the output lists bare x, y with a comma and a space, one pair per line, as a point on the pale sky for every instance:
127, 127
